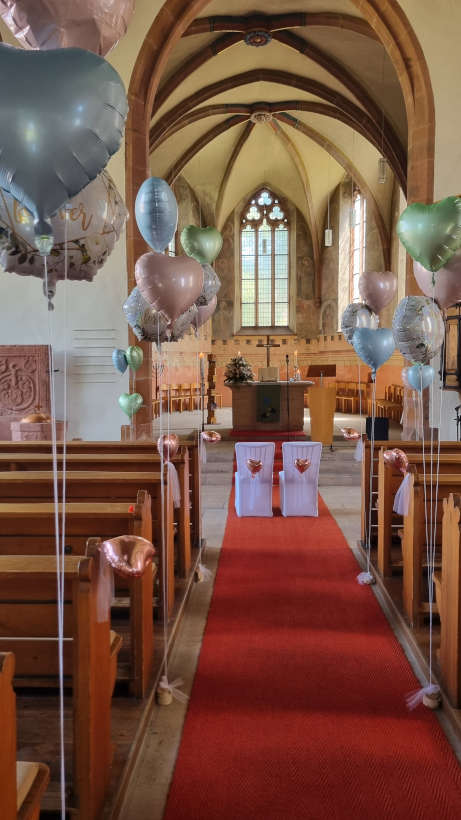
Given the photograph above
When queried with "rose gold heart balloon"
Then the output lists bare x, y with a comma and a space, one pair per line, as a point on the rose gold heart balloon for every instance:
170, 284
128, 555
377, 288
397, 459
350, 434
90, 24
211, 436
255, 466
302, 464
168, 443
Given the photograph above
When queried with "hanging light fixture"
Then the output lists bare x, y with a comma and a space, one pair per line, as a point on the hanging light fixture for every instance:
382, 168
328, 231
382, 162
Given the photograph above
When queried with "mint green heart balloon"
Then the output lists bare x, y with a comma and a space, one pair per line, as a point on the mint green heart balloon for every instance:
431, 233
130, 403
202, 244
134, 356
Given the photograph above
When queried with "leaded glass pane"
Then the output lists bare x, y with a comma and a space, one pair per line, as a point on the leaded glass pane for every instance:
265, 198
281, 290
248, 241
264, 315
253, 213
248, 290
248, 267
276, 213
281, 315
248, 315
281, 241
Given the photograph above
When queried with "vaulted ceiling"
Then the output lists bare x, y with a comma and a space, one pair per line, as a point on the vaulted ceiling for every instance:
294, 95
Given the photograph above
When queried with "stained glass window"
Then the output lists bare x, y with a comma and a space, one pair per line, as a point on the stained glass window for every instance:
358, 242
264, 262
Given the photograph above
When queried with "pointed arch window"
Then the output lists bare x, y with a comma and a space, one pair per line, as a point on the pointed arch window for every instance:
358, 242
264, 261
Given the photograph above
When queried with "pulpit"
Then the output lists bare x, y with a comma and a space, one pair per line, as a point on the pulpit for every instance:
322, 403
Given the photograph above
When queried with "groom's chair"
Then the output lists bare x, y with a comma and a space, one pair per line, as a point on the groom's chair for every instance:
299, 492
253, 494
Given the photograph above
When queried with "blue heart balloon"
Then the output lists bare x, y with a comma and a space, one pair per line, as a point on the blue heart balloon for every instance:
373, 346
420, 376
62, 116
119, 360
156, 213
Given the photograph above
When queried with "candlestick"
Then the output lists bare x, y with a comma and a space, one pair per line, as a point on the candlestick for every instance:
202, 367
296, 358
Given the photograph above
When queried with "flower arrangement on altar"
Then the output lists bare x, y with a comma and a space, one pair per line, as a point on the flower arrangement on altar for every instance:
238, 371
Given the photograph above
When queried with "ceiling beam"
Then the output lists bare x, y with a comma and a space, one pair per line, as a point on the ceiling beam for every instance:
243, 138
275, 76
215, 109
351, 169
311, 52
175, 169
204, 25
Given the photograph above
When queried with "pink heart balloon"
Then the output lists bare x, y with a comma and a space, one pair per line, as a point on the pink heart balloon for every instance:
96, 25
205, 312
377, 288
447, 281
170, 284
128, 555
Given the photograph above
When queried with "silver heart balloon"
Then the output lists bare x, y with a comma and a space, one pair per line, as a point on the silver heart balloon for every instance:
357, 314
62, 116
211, 285
147, 324
418, 328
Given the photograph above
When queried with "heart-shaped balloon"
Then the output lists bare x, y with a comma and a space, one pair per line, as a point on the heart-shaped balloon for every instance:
357, 314
420, 376
130, 403
156, 212
62, 115
134, 356
431, 233
255, 466
211, 285
45, 24
169, 283
350, 433
302, 464
119, 360
168, 444
128, 555
183, 323
418, 328
211, 436
202, 244
377, 288
373, 346
205, 312
445, 285
397, 459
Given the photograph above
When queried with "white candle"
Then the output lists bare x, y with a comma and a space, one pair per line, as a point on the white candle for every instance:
202, 367
296, 358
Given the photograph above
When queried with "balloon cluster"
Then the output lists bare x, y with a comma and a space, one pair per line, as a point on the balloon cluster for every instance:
173, 293
431, 234
359, 322
56, 200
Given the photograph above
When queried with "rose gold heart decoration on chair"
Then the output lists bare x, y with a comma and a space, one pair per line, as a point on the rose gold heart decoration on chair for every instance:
397, 459
255, 466
128, 555
169, 443
211, 436
302, 464
350, 433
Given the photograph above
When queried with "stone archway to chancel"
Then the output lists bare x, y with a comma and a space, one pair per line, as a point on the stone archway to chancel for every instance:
387, 22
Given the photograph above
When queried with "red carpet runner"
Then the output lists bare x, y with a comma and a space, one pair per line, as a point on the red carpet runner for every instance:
297, 709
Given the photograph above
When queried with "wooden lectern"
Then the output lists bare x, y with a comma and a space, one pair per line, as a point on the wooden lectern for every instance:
322, 403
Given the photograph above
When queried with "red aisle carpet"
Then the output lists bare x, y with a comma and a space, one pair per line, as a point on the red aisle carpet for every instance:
297, 709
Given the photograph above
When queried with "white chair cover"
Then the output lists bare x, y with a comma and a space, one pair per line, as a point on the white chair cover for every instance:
299, 493
253, 496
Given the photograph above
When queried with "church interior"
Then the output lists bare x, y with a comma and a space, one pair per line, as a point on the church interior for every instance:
230, 410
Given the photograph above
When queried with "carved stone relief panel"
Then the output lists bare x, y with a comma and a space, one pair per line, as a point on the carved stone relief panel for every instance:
24, 381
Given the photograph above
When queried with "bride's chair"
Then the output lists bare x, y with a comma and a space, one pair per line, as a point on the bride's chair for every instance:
298, 492
253, 494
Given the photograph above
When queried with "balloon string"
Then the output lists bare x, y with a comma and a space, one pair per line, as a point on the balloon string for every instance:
162, 497
372, 450
59, 566
428, 549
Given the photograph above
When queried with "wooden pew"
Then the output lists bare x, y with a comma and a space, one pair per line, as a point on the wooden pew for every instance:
448, 589
21, 784
28, 617
414, 537
89, 486
148, 447
28, 529
408, 447
389, 481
